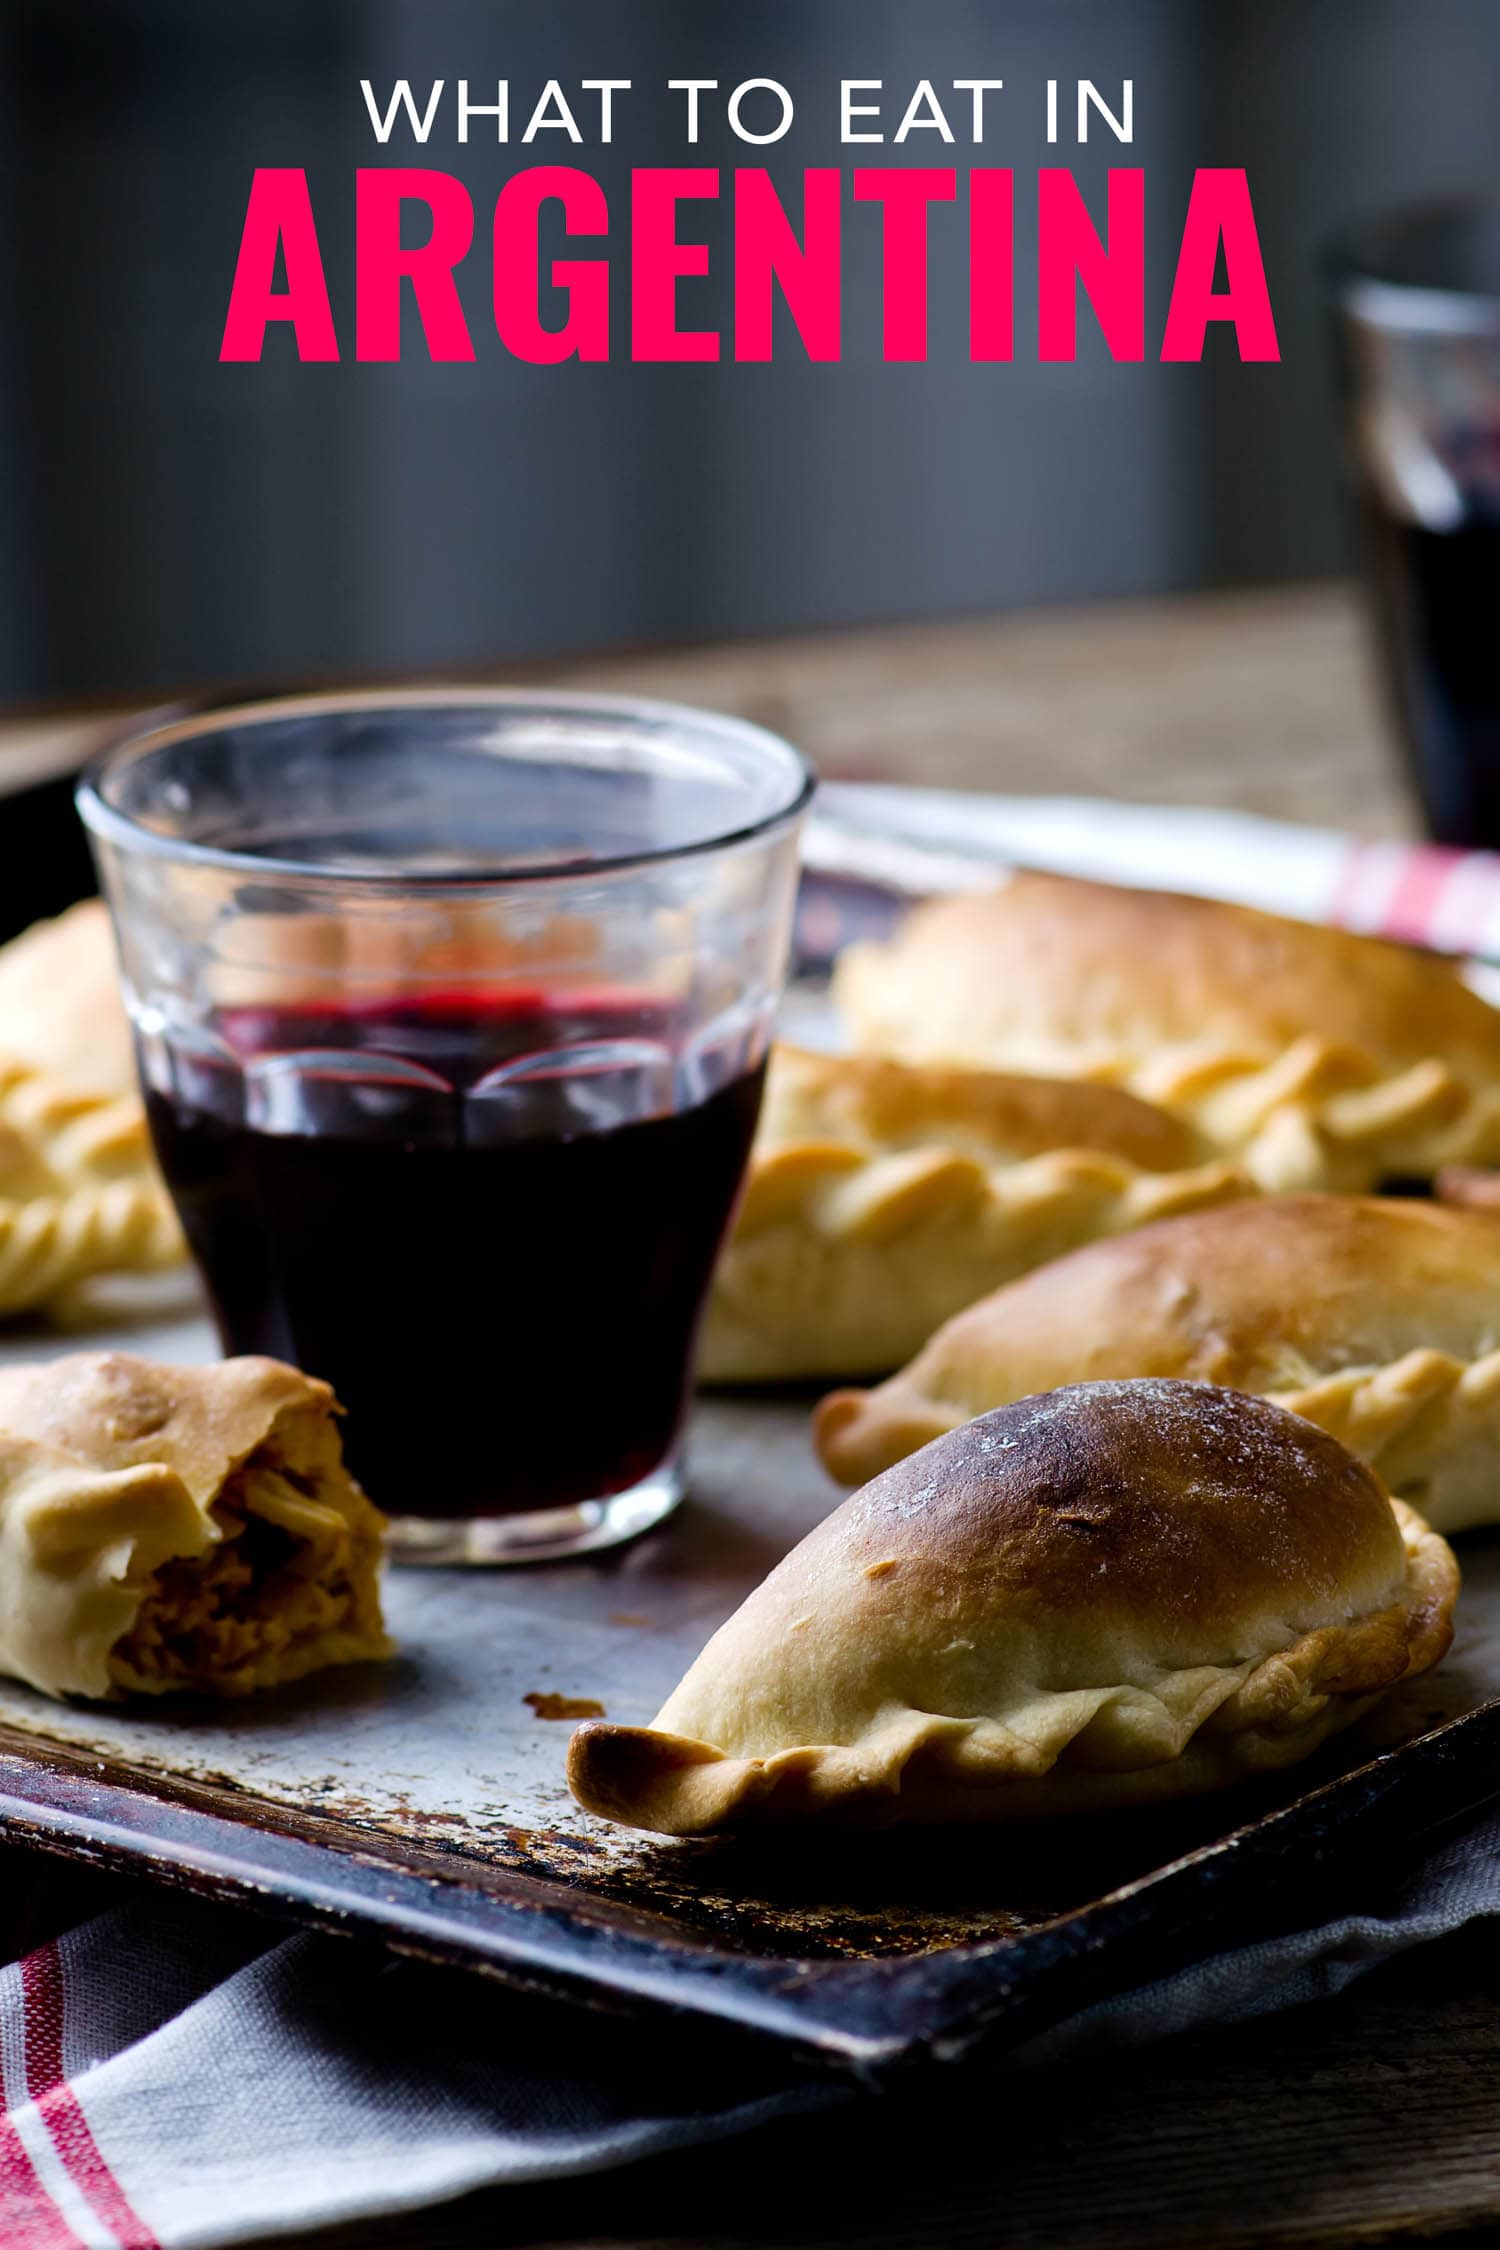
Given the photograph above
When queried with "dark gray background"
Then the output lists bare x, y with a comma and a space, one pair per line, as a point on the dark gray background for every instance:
164, 518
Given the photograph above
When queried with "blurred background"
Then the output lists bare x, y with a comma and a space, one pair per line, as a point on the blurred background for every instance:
167, 520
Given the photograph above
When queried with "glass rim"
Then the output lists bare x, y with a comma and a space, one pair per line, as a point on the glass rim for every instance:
1354, 253
154, 730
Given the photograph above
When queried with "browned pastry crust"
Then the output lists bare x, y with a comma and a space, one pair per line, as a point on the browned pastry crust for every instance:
1105, 1595
884, 1196
872, 1101
1323, 1058
1376, 1317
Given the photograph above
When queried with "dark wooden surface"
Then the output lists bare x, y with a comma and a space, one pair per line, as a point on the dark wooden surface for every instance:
1263, 700
1372, 2118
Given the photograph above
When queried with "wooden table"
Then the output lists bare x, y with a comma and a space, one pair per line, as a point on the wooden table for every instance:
1263, 700
1372, 2118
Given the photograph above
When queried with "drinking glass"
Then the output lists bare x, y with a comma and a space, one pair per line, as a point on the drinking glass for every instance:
1417, 302
451, 1011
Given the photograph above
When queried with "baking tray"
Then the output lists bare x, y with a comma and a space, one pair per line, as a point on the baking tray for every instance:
423, 1802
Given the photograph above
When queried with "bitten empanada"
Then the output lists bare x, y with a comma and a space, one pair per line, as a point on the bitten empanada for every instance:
1104, 1595
882, 1197
179, 1528
1376, 1317
1319, 1058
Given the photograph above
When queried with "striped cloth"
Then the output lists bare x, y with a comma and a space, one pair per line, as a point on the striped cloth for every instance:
179, 2076
920, 840
182, 2077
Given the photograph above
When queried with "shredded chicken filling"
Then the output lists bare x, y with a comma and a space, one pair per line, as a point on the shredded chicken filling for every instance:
280, 1577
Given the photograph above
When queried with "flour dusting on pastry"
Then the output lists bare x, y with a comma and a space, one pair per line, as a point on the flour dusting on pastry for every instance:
1112, 1594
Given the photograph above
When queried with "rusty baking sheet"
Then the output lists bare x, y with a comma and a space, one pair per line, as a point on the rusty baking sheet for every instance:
424, 1802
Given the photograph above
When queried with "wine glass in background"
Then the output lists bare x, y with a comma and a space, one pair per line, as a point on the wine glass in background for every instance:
1416, 296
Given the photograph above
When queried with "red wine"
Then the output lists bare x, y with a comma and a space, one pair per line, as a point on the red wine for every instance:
1437, 595
489, 1224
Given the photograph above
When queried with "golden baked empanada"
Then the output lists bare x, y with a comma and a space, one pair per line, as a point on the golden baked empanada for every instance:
61, 1010
884, 1196
1376, 1317
79, 1190
54, 1136
1318, 1057
178, 1527
1101, 1596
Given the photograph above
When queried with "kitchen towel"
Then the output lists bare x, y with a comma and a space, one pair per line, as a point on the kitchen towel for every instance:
943, 839
179, 2076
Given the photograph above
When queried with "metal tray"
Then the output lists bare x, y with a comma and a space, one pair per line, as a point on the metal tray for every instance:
424, 1802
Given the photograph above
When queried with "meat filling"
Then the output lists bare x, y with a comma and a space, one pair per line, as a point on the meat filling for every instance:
275, 1595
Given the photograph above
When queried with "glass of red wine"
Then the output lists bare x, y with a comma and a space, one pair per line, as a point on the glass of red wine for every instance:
1417, 301
451, 1010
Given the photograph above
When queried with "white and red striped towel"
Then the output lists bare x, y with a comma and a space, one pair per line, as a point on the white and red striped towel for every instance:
181, 2077
941, 839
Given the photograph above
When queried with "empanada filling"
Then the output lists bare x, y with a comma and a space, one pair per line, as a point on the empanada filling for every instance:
288, 1578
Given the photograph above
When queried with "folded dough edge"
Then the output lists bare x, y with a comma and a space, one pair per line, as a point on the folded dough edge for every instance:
1218, 1726
179, 1528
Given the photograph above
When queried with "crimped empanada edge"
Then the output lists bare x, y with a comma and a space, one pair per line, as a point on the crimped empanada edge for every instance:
1287, 1705
858, 1433
1079, 1195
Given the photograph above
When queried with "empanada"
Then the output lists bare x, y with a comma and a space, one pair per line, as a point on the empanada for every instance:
1319, 1058
1376, 1317
79, 1191
61, 1010
1101, 1596
178, 1527
882, 1197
